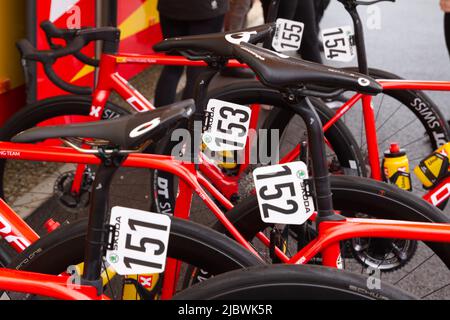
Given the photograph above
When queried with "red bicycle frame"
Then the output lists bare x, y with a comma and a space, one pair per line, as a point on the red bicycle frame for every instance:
191, 182
327, 242
435, 196
330, 233
110, 80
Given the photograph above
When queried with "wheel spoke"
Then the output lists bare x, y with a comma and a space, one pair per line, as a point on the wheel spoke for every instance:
109, 281
397, 131
414, 269
389, 117
434, 291
379, 108
415, 141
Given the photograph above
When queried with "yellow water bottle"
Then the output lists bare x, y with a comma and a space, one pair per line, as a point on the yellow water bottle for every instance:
396, 167
138, 287
434, 167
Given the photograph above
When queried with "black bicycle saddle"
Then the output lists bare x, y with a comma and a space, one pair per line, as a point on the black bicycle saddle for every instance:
126, 132
281, 72
217, 44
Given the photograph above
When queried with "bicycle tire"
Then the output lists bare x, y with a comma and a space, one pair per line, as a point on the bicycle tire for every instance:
53, 107
420, 104
431, 129
290, 282
355, 194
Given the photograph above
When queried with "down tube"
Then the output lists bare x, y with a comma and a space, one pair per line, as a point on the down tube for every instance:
332, 232
157, 162
14, 229
133, 97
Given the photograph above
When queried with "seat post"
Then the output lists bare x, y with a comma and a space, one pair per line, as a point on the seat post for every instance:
201, 101
316, 146
98, 214
272, 16
351, 8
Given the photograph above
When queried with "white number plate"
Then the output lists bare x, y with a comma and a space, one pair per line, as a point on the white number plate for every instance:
140, 241
338, 45
227, 126
282, 194
288, 36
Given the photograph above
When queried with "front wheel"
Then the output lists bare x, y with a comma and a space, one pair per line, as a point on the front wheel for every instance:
391, 259
407, 117
290, 282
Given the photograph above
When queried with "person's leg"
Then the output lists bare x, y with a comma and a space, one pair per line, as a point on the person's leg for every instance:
195, 28
447, 30
236, 17
288, 8
305, 13
166, 88
321, 6
265, 5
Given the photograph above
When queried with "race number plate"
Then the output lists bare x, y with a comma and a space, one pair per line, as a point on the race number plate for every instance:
227, 126
283, 197
288, 35
338, 44
139, 243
